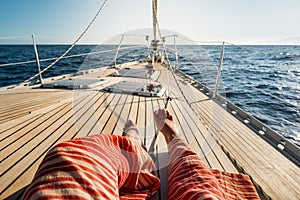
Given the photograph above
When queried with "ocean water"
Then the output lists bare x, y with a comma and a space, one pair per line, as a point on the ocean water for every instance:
262, 80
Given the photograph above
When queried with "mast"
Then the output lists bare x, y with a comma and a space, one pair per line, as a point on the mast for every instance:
154, 10
154, 42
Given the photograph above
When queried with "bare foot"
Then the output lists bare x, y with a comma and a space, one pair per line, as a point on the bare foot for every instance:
130, 130
165, 123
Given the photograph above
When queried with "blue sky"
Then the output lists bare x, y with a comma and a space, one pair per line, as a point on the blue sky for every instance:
235, 21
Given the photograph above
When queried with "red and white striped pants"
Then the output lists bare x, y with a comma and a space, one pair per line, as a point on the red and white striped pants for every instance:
95, 167
115, 167
190, 178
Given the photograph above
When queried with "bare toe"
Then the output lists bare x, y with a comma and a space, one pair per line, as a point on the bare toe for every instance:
130, 129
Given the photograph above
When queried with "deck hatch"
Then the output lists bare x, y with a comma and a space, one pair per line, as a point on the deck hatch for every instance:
136, 88
75, 83
138, 73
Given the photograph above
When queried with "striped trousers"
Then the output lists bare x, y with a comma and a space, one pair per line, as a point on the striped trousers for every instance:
190, 178
115, 167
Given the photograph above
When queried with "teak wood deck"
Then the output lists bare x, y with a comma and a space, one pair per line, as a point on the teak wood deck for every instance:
34, 119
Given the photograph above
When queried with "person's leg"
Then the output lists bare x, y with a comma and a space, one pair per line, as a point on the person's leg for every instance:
141, 181
95, 167
82, 168
131, 130
190, 178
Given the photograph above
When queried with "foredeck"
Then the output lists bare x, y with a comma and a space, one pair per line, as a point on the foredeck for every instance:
33, 119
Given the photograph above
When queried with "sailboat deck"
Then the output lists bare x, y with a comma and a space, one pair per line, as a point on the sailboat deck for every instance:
33, 119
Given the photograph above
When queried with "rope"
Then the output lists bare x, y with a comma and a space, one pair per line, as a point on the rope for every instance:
71, 47
159, 32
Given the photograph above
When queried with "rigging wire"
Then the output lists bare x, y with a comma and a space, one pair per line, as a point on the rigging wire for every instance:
71, 47
71, 56
159, 32
169, 63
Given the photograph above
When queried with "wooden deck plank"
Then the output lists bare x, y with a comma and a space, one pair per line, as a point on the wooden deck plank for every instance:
14, 107
13, 153
14, 110
241, 149
16, 99
40, 144
257, 158
256, 144
141, 120
108, 111
162, 146
116, 117
194, 141
68, 129
134, 109
210, 144
35, 137
24, 134
12, 124
85, 119
188, 127
150, 126
124, 115
264, 174
85, 125
18, 148
247, 137
151, 137
111, 115
190, 130
93, 125
99, 112
65, 131
16, 187
8, 129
